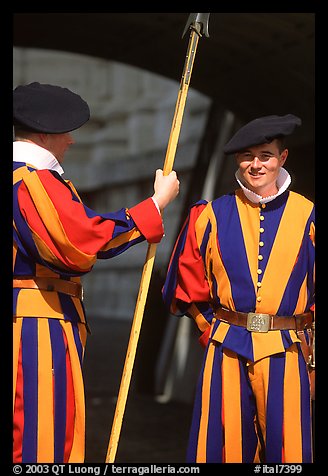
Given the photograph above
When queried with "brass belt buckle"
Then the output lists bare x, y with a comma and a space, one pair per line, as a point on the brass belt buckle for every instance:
257, 322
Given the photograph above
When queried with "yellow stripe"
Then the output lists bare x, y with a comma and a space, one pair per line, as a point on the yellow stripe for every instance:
122, 239
206, 392
18, 174
74, 189
83, 337
198, 317
17, 332
231, 407
77, 452
294, 337
302, 297
43, 249
45, 450
265, 344
312, 233
218, 270
52, 223
259, 378
14, 254
250, 223
276, 276
46, 253
292, 408
35, 303
221, 332
201, 224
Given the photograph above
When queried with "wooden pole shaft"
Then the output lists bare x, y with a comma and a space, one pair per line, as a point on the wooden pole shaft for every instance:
131, 353
150, 257
180, 104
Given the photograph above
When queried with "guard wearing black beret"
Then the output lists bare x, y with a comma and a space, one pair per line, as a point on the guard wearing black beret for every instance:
57, 239
261, 131
49, 109
243, 270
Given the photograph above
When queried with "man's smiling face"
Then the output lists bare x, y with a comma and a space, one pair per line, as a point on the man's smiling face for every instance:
259, 167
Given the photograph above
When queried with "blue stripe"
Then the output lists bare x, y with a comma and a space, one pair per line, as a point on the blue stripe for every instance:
121, 222
194, 430
23, 228
238, 340
60, 391
203, 246
171, 278
26, 243
214, 441
30, 389
15, 296
233, 252
24, 265
275, 409
119, 249
248, 412
78, 342
18, 165
68, 308
205, 309
304, 265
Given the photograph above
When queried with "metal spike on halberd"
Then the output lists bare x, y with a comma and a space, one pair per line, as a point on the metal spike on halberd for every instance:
198, 22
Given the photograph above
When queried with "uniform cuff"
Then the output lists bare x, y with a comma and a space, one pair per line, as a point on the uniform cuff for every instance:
148, 220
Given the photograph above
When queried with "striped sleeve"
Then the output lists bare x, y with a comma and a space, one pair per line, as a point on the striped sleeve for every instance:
69, 235
186, 289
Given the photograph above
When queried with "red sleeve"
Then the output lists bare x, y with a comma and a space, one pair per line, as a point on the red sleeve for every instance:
69, 234
186, 289
148, 220
192, 285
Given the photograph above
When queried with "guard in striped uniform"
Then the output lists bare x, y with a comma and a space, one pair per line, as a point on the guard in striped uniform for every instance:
243, 269
57, 239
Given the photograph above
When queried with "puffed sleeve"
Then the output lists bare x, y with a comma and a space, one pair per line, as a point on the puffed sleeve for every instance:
69, 235
186, 289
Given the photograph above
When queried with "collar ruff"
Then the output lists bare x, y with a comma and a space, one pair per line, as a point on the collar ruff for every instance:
36, 156
283, 182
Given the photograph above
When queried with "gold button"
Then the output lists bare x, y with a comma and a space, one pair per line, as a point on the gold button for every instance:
261, 243
259, 299
261, 230
263, 205
259, 284
260, 257
261, 217
259, 271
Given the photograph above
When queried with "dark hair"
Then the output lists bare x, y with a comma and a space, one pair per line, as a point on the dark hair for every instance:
20, 131
281, 142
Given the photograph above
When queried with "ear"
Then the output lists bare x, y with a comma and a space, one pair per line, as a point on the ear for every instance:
283, 157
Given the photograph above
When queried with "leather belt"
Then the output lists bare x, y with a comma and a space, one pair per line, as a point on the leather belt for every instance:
49, 284
259, 322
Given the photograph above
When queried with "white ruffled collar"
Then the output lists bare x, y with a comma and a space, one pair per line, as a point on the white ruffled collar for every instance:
283, 182
36, 156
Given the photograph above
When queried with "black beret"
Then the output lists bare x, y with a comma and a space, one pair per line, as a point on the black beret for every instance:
48, 109
261, 131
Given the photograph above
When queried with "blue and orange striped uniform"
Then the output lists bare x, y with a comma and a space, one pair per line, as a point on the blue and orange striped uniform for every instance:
252, 400
57, 236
